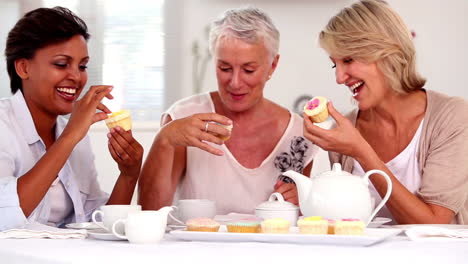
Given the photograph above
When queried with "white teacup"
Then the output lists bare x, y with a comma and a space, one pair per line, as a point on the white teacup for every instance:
111, 213
193, 208
142, 227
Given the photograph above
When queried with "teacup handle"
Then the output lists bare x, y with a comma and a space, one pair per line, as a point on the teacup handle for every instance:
93, 217
387, 195
276, 195
114, 225
174, 218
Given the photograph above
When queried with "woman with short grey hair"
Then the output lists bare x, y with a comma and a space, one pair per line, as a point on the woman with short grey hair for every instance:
249, 24
266, 139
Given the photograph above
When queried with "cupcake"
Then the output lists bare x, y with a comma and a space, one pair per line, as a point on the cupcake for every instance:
228, 127
353, 227
202, 224
276, 226
121, 119
317, 109
313, 225
243, 226
331, 226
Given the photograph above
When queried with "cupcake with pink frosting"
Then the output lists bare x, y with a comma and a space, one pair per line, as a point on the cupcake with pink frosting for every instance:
317, 109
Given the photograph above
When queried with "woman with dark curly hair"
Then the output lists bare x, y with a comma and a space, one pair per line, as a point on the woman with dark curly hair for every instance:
46, 163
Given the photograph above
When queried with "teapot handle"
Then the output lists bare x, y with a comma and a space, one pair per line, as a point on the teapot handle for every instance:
173, 217
387, 195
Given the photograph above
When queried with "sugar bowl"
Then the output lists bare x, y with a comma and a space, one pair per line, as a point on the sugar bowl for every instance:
277, 207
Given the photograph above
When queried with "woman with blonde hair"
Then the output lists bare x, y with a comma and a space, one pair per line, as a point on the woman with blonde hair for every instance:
417, 136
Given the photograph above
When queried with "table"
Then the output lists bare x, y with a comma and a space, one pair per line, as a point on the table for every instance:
396, 250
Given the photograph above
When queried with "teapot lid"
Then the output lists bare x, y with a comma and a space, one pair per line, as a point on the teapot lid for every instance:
279, 205
336, 171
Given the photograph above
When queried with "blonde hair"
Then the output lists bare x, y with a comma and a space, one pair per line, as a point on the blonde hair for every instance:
371, 31
249, 24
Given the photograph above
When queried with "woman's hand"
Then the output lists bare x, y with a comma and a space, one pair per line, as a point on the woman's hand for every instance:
126, 151
288, 191
84, 113
344, 138
194, 130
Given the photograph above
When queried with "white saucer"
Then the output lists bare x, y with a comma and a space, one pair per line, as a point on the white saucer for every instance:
102, 234
378, 221
84, 225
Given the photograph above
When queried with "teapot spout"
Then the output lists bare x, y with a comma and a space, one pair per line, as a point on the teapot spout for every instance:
303, 185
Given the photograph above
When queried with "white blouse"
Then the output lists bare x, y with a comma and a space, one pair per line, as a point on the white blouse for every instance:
405, 167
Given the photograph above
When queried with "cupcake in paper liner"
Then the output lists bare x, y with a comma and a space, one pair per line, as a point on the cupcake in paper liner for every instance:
317, 109
275, 226
202, 224
243, 226
121, 118
228, 127
313, 225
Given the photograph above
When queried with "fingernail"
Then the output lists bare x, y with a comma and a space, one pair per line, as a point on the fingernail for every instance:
230, 121
109, 135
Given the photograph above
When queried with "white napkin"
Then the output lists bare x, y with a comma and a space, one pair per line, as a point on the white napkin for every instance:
437, 233
36, 230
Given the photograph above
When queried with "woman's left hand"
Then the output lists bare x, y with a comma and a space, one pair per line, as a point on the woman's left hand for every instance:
344, 138
126, 151
288, 191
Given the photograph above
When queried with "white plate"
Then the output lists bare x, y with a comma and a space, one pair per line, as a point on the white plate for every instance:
371, 236
378, 221
102, 234
84, 225
405, 227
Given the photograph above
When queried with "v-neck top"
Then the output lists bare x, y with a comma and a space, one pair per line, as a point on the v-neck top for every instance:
442, 154
223, 179
404, 166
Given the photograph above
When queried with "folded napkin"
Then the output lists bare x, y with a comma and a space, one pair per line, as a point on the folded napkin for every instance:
36, 230
437, 233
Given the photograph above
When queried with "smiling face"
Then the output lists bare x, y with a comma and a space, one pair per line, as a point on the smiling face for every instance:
242, 69
364, 80
54, 78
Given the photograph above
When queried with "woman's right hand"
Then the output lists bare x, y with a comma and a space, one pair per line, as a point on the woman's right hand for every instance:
193, 131
344, 138
84, 113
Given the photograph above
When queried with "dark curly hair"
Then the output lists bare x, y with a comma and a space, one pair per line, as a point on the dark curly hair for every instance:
37, 29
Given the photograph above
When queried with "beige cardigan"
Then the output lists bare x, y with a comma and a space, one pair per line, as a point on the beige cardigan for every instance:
442, 154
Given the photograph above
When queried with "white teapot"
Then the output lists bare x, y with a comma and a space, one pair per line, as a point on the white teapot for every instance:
337, 194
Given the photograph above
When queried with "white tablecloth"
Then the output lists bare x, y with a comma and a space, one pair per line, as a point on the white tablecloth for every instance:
397, 250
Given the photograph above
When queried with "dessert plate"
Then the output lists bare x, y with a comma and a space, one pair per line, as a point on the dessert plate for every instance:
405, 227
378, 221
370, 237
84, 225
102, 234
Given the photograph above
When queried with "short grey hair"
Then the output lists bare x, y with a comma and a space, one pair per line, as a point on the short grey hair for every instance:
249, 24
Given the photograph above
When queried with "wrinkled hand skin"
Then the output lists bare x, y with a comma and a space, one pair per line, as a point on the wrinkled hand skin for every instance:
190, 131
